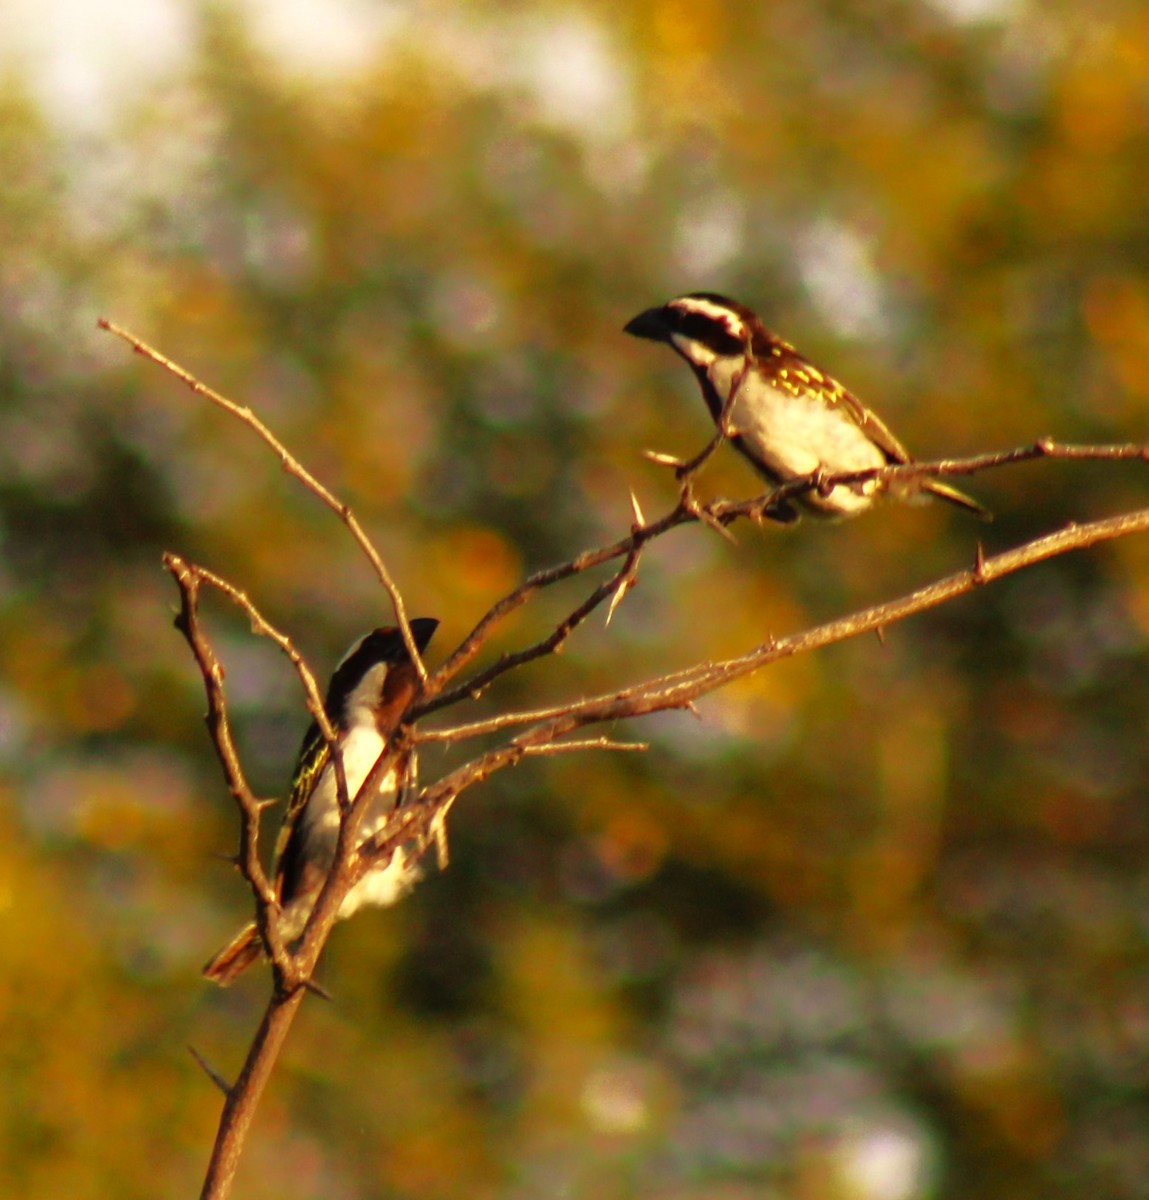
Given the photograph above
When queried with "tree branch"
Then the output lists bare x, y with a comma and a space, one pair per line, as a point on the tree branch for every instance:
293, 467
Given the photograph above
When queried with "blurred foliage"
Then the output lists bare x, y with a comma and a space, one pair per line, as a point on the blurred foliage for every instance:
876, 925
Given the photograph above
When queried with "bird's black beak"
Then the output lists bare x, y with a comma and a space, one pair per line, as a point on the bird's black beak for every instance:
421, 630
651, 325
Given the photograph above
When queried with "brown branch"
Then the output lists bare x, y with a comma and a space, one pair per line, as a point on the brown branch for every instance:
219, 729
599, 743
292, 971
678, 689
292, 466
263, 627
243, 1098
1042, 448
718, 514
433, 696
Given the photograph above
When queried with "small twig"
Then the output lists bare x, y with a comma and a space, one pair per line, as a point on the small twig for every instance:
478, 683
219, 728
243, 1098
684, 471
263, 627
293, 467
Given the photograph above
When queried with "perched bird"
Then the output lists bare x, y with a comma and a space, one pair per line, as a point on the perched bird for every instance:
371, 688
787, 417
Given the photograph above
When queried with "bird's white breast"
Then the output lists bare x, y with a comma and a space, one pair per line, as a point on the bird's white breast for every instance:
794, 435
362, 747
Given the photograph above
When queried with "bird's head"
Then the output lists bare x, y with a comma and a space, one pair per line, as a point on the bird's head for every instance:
702, 327
376, 679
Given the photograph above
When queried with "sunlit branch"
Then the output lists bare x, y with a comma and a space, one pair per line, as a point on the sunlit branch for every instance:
676, 689
293, 467
719, 514
189, 580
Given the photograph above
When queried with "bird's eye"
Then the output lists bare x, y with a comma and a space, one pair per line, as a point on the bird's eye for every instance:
711, 332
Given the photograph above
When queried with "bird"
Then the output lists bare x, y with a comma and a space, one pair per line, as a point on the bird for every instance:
370, 689
788, 418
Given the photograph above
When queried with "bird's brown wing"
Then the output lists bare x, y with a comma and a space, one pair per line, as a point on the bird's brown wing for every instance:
797, 375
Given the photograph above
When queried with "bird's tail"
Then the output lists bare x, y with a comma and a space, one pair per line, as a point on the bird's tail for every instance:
943, 491
235, 957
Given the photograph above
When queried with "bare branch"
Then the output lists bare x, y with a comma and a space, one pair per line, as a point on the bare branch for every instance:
679, 688
718, 514
243, 1098
1042, 448
293, 467
470, 646
188, 580
263, 627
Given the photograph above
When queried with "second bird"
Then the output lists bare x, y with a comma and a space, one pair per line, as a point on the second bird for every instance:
368, 694
787, 417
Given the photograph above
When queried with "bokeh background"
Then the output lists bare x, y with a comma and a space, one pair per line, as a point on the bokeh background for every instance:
875, 925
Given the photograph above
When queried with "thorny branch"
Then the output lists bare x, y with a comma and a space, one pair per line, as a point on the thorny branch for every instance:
679, 689
417, 823
719, 514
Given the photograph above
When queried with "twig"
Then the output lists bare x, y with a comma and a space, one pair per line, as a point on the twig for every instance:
219, 729
1042, 448
433, 696
293, 467
264, 628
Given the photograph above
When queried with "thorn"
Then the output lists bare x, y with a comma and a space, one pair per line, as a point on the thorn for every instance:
624, 586
880, 630
1045, 445
636, 508
708, 518
663, 460
210, 1072
439, 833
319, 990
232, 860
979, 575
692, 708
